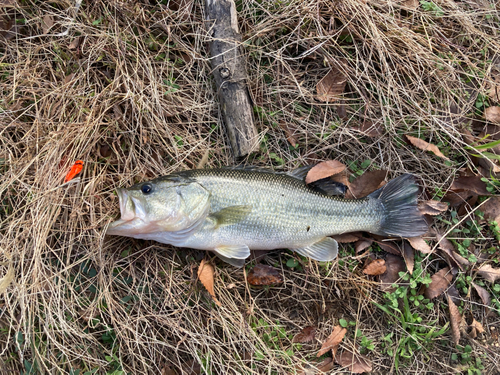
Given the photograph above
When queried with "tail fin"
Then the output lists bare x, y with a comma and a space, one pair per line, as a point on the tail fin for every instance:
401, 215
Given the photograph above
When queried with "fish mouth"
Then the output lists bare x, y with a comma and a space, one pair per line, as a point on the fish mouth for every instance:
128, 219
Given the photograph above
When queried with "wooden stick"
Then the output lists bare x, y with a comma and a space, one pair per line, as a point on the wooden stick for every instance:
229, 70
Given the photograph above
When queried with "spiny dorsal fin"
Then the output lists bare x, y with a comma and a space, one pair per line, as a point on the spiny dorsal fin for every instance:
324, 250
301, 172
328, 186
298, 173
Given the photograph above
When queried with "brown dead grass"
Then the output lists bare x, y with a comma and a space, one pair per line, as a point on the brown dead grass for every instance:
129, 91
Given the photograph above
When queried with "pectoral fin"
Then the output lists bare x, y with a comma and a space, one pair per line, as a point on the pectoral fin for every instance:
233, 251
230, 215
324, 250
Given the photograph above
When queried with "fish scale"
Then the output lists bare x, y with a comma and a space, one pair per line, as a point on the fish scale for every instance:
285, 212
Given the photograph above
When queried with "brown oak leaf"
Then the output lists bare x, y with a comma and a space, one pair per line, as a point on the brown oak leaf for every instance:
426, 146
375, 268
331, 86
492, 114
365, 184
432, 207
483, 294
263, 274
324, 169
440, 282
306, 335
206, 276
455, 319
333, 340
419, 244
489, 273
356, 363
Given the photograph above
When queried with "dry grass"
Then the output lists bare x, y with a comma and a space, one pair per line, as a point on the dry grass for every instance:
129, 91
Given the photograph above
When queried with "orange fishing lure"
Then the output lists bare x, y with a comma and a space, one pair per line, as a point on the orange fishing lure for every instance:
75, 169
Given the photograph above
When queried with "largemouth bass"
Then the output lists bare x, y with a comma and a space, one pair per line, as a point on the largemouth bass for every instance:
230, 211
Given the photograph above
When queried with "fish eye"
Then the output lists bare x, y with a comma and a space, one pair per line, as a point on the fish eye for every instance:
146, 188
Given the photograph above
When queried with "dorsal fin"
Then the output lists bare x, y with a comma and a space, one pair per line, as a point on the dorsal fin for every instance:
298, 173
328, 186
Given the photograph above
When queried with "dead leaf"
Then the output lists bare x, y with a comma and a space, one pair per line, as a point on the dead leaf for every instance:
455, 319
289, 133
409, 257
483, 293
426, 146
262, 274
366, 184
375, 268
333, 340
489, 273
191, 367
494, 93
324, 169
412, 4
206, 276
419, 244
432, 207
470, 183
47, 23
308, 369
356, 363
325, 365
362, 244
457, 198
370, 129
492, 114
7, 279
394, 265
167, 370
477, 326
347, 237
466, 207
75, 42
448, 247
389, 247
491, 209
331, 86
8, 3
68, 78
440, 282
306, 335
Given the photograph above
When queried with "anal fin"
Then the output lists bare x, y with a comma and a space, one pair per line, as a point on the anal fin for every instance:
324, 250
